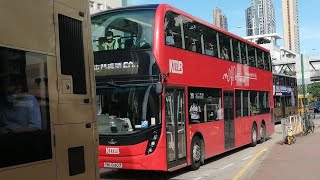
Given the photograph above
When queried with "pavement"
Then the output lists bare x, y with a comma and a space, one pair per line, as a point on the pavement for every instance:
297, 161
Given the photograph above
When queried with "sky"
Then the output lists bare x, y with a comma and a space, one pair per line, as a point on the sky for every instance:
309, 17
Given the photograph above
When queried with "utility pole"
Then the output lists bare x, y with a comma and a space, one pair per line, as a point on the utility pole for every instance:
304, 92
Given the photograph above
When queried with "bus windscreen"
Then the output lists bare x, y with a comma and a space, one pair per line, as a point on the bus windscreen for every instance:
123, 30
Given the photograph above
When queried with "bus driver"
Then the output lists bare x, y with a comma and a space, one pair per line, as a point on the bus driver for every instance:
22, 114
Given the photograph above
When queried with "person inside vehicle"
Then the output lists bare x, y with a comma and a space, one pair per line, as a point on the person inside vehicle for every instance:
195, 111
108, 42
22, 112
169, 38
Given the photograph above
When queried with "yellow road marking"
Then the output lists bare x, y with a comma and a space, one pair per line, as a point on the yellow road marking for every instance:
246, 167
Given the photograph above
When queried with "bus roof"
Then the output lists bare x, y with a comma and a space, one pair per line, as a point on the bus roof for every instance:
125, 8
169, 7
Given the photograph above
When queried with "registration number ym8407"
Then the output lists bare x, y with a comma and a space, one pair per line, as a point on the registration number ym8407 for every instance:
112, 165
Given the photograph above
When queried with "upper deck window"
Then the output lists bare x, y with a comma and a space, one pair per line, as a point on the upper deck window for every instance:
173, 31
224, 42
192, 35
123, 30
210, 42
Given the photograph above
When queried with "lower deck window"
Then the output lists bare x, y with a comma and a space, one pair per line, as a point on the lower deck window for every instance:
204, 105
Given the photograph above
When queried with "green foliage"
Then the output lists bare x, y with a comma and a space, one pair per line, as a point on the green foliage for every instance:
314, 89
263, 41
300, 90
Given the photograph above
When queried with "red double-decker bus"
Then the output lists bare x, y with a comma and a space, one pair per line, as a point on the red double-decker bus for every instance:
173, 90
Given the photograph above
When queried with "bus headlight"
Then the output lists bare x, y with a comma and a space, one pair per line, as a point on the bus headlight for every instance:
152, 143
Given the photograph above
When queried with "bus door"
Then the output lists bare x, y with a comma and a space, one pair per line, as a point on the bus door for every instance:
229, 139
175, 126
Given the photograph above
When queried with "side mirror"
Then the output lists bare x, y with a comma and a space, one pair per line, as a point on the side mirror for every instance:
159, 87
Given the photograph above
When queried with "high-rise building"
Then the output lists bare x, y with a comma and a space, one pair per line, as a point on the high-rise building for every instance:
101, 5
260, 18
249, 22
291, 25
219, 19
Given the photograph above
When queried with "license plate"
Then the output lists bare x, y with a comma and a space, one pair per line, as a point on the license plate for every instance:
112, 165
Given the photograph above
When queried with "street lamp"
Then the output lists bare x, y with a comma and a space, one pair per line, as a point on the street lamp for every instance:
303, 91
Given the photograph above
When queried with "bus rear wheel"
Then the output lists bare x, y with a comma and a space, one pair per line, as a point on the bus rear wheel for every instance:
254, 135
196, 154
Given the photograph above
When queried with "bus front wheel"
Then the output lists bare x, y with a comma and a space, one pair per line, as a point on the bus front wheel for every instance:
196, 154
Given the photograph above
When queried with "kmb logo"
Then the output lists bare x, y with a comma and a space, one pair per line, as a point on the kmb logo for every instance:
112, 151
175, 66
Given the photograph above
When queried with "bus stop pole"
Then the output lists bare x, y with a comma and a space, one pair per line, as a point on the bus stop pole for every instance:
303, 91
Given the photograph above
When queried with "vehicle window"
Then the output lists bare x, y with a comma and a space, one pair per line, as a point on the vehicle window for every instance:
239, 103
173, 36
260, 62
245, 103
25, 134
204, 105
224, 44
267, 61
127, 110
252, 56
125, 30
210, 42
236, 50
192, 35
254, 103
243, 49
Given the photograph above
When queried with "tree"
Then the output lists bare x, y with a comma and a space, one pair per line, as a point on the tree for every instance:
300, 89
314, 89
263, 41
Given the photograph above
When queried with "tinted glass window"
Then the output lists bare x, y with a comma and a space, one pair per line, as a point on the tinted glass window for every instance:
192, 35
204, 105
224, 44
267, 61
245, 103
236, 50
238, 103
173, 36
260, 59
24, 108
210, 42
123, 30
254, 103
252, 55
127, 110
243, 49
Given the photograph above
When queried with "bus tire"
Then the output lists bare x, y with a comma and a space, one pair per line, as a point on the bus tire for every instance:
254, 135
263, 133
196, 153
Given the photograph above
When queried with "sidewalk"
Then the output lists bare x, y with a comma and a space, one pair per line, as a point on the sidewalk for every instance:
297, 161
